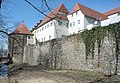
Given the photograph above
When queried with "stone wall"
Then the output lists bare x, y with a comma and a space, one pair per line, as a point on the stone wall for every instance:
46, 54
16, 47
70, 53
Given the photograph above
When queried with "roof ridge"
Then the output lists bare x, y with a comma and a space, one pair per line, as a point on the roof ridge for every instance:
21, 29
53, 14
88, 11
112, 11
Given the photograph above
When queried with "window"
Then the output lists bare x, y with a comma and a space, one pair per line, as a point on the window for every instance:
48, 26
49, 37
42, 28
44, 38
73, 23
78, 21
76, 13
51, 24
62, 14
63, 35
67, 25
45, 27
28, 37
70, 24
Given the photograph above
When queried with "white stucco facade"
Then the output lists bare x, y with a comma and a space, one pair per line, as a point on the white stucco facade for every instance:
55, 28
78, 22
30, 40
113, 15
113, 18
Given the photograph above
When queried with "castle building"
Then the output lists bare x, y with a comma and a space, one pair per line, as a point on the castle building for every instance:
54, 25
17, 40
82, 18
60, 22
113, 17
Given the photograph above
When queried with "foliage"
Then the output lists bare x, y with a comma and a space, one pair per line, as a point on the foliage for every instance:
96, 35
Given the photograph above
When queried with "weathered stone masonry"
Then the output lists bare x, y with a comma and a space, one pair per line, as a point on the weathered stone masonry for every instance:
69, 53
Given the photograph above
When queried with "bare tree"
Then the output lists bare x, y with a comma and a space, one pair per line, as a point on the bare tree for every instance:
5, 28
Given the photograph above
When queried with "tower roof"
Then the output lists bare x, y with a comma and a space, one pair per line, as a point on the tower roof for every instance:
113, 11
89, 12
56, 13
22, 29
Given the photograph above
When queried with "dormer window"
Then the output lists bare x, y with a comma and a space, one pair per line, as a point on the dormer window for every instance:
62, 14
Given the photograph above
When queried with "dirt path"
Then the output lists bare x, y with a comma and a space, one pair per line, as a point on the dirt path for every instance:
36, 75
43, 77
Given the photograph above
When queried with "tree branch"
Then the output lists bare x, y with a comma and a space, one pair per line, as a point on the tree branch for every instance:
52, 12
36, 8
11, 37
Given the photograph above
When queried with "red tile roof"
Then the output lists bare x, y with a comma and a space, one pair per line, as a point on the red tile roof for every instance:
22, 29
89, 12
56, 14
113, 11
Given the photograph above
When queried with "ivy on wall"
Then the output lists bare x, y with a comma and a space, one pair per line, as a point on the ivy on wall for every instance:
96, 35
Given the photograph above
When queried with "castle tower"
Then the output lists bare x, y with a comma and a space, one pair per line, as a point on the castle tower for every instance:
17, 40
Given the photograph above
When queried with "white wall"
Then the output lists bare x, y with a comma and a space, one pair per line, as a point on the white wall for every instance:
46, 32
30, 40
112, 19
85, 22
51, 32
74, 18
34, 36
113, 15
61, 28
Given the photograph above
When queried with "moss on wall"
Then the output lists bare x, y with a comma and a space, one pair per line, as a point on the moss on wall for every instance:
96, 35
